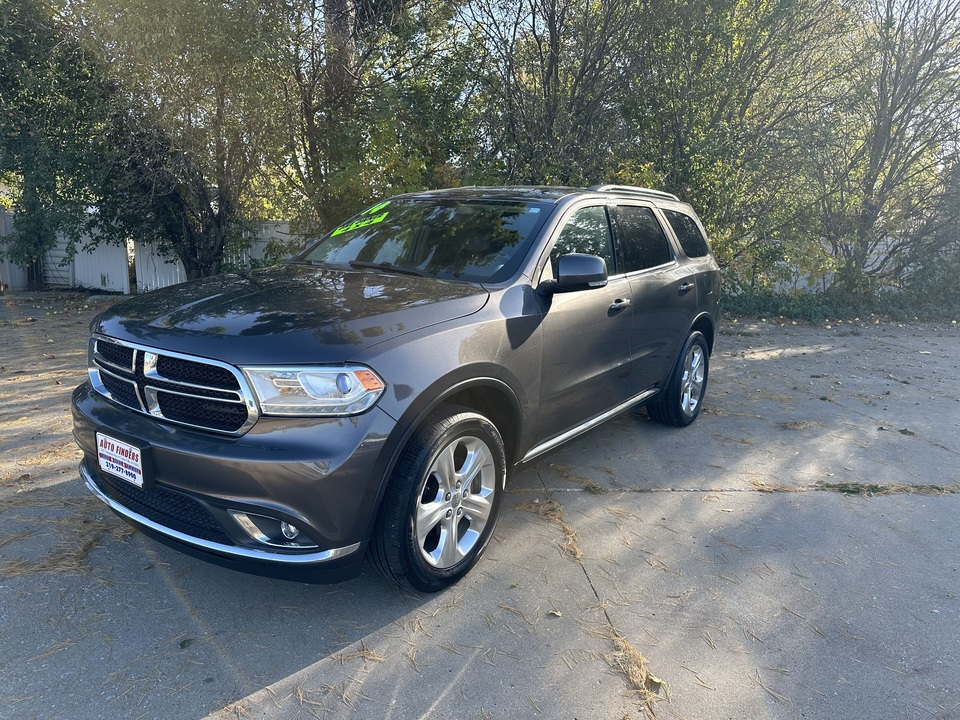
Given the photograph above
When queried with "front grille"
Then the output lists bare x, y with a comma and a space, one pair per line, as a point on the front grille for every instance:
165, 507
123, 391
210, 414
198, 373
192, 391
118, 356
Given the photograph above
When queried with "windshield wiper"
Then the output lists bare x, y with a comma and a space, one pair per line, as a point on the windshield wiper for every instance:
389, 267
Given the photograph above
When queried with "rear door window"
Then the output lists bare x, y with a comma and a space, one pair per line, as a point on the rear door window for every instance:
644, 243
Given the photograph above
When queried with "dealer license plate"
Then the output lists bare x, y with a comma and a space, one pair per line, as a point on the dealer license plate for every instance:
121, 459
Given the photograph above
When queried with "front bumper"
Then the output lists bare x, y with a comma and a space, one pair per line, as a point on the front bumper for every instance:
322, 475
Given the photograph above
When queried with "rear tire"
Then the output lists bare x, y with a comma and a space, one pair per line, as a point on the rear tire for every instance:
442, 503
680, 401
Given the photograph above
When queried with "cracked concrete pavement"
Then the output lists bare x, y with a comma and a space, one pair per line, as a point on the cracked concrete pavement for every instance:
724, 554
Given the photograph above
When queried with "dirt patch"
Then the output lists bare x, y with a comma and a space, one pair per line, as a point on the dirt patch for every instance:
42, 359
48, 526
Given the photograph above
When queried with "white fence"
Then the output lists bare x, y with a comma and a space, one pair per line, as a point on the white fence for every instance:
112, 268
12, 276
156, 271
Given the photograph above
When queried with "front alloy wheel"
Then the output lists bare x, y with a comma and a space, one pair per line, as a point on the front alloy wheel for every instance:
455, 502
442, 502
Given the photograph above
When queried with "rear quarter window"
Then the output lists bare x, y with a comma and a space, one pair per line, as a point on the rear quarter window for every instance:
692, 241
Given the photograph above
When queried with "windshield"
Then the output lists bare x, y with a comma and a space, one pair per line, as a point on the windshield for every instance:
460, 239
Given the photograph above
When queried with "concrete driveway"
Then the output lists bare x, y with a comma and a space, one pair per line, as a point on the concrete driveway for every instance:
793, 554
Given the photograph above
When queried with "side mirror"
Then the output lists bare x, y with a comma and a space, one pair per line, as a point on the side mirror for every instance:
577, 271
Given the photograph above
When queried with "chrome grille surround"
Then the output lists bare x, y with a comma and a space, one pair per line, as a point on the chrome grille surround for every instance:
130, 375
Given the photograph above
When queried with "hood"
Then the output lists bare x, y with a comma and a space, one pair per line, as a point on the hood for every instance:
288, 314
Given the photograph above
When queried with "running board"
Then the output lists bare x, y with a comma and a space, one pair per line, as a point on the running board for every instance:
588, 425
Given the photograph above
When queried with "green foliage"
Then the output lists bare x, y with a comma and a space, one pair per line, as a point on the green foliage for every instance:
195, 123
818, 139
374, 105
550, 76
878, 155
908, 304
51, 124
713, 90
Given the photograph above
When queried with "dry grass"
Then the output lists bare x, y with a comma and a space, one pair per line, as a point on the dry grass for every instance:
633, 666
14, 537
364, 653
519, 613
567, 473
858, 488
552, 512
799, 425
44, 499
620, 513
870, 489
779, 697
761, 486
75, 533
708, 410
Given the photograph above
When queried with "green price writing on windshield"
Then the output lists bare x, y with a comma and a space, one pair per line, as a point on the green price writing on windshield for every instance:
367, 217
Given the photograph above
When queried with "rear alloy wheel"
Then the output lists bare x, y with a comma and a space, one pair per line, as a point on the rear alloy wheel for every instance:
442, 503
679, 402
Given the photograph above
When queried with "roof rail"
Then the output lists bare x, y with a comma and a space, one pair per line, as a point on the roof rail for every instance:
630, 189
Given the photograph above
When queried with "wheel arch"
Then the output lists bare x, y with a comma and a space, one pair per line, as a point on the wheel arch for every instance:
705, 326
491, 397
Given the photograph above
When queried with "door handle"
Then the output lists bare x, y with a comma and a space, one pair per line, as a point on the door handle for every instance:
686, 287
619, 304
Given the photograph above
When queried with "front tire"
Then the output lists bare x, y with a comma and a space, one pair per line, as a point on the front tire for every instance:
442, 503
680, 401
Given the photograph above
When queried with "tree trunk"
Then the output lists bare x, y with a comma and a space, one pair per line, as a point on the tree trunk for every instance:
340, 17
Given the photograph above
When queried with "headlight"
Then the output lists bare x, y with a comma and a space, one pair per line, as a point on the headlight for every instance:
326, 391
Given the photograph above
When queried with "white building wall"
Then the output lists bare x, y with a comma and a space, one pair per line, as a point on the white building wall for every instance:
105, 268
12, 277
153, 270
57, 270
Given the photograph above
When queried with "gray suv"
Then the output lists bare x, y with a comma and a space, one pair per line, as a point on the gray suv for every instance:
368, 397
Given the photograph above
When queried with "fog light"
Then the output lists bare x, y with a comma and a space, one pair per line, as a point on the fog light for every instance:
273, 531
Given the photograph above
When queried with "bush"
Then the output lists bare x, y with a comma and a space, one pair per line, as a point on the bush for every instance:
916, 302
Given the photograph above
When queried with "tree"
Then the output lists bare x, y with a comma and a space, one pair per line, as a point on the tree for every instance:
718, 98
195, 121
372, 94
551, 76
53, 101
884, 157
